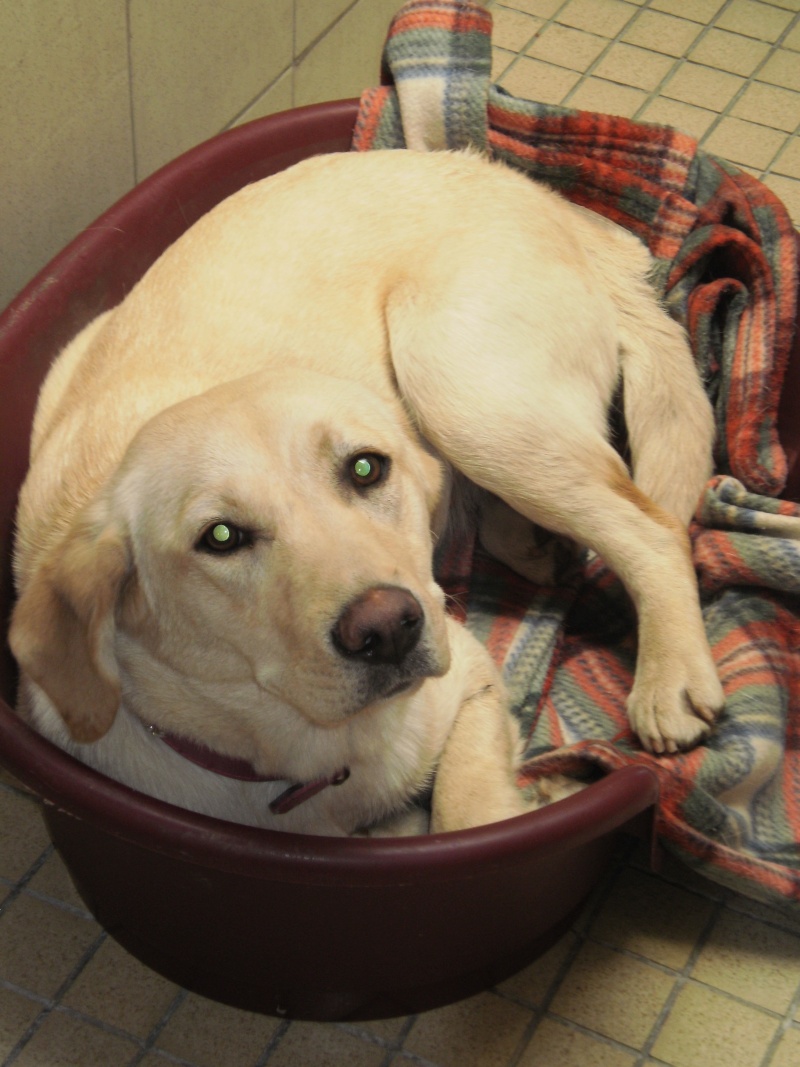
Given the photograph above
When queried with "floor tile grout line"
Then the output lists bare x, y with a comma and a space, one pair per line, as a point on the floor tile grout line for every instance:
167, 1057
785, 1024
391, 1047
792, 138
273, 1043
61, 905
19, 886
603, 1039
149, 1042
54, 1001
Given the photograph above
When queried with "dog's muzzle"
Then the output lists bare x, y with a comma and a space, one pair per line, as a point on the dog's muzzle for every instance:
380, 627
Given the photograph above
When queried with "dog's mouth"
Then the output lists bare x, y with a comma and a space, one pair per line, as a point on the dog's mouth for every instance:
402, 687
381, 683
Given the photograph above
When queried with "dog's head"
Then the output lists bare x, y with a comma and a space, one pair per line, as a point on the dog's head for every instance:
264, 545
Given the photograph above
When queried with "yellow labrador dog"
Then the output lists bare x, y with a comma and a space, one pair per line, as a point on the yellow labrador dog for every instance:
224, 542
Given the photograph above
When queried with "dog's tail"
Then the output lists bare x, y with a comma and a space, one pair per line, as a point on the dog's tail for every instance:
669, 419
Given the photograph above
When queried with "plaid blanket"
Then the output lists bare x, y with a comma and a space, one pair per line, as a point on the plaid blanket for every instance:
726, 266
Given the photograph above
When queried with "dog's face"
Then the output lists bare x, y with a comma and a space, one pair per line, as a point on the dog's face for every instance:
265, 545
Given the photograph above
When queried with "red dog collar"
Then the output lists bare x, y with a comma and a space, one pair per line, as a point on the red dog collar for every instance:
231, 767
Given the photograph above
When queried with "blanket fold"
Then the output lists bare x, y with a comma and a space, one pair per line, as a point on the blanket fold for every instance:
725, 256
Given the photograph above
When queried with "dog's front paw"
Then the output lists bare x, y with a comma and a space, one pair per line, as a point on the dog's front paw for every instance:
676, 710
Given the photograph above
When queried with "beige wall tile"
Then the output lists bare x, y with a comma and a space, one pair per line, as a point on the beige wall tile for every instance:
482, 1032
606, 19
196, 66
314, 17
685, 117
695, 84
770, 106
16, 1015
652, 918
560, 1045
23, 836
117, 989
744, 142
612, 994
318, 1045
705, 1027
541, 82
347, 60
762, 21
62, 1041
782, 68
729, 51
279, 97
64, 126
594, 94
662, 33
751, 960
209, 1034
513, 29
633, 66
567, 47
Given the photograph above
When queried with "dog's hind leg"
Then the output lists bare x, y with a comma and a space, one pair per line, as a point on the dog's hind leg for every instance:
541, 449
676, 694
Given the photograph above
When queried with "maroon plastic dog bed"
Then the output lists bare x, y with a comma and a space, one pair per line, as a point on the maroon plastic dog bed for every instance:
306, 927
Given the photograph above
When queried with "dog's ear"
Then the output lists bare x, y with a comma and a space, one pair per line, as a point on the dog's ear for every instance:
62, 628
436, 479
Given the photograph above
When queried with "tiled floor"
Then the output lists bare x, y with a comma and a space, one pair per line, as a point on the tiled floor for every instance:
663, 969
725, 71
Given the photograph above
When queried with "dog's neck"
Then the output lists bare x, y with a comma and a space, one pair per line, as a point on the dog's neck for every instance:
242, 771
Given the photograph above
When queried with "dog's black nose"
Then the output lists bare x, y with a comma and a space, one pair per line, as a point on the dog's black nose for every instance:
381, 625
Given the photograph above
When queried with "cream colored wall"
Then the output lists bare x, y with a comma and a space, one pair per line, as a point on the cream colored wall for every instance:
97, 94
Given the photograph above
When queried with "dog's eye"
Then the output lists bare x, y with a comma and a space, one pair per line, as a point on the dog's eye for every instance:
367, 468
223, 537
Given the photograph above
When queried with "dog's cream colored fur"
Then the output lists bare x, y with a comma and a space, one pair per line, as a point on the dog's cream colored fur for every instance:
435, 309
